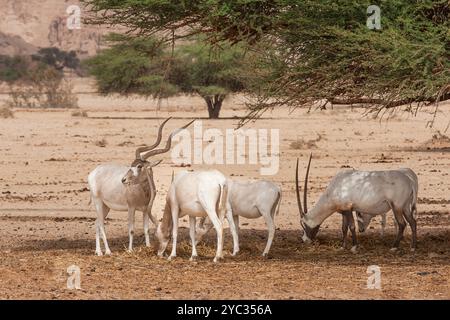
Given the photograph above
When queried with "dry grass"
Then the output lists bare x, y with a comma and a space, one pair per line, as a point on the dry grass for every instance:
79, 113
439, 139
6, 113
437, 142
300, 144
101, 143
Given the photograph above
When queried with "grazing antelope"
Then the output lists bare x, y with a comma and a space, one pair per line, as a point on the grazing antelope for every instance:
371, 192
127, 188
364, 219
251, 199
196, 194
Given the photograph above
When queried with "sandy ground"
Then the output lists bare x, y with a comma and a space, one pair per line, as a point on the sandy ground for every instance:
46, 224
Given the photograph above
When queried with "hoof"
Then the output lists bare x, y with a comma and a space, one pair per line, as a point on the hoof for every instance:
108, 252
99, 253
171, 258
354, 249
235, 253
265, 255
193, 258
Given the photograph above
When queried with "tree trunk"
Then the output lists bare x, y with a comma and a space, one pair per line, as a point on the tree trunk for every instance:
214, 104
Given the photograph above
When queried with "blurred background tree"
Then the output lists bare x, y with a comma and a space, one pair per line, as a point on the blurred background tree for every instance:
38, 80
145, 66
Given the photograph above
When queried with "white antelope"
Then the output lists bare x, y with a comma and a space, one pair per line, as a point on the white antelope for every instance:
371, 192
126, 188
251, 200
196, 194
364, 219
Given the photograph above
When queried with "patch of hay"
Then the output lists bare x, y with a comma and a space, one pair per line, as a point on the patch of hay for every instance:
101, 143
79, 113
305, 144
437, 141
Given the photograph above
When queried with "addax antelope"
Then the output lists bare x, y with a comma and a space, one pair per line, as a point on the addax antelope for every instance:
127, 188
370, 192
251, 200
196, 194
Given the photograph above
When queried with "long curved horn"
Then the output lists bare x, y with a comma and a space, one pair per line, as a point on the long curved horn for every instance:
305, 190
158, 141
297, 190
168, 143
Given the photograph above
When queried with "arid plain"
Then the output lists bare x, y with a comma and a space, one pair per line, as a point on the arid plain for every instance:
47, 225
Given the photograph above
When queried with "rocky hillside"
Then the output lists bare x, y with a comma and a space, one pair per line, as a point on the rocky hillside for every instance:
26, 25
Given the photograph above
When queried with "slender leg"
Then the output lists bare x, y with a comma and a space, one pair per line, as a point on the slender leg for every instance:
98, 250
398, 214
236, 223
234, 232
219, 230
204, 226
345, 224
131, 212
146, 227
102, 212
175, 212
383, 224
192, 234
351, 221
413, 225
271, 228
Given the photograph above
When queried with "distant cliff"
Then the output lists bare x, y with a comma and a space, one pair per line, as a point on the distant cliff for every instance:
26, 25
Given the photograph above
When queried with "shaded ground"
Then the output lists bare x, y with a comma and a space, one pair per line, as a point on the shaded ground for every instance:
47, 225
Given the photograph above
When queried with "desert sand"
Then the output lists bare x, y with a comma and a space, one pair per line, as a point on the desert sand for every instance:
46, 223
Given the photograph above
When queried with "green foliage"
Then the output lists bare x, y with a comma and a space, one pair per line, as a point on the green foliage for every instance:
12, 68
57, 58
312, 50
42, 87
203, 69
38, 80
143, 65
131, 66
328, 53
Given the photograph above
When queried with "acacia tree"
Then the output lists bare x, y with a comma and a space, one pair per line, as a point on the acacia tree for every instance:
145, 66
312, 50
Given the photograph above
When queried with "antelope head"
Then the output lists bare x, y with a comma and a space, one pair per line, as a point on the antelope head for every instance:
141, 165
138, 174
308, 233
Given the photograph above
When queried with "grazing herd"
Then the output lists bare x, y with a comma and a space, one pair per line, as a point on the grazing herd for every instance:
212, 197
